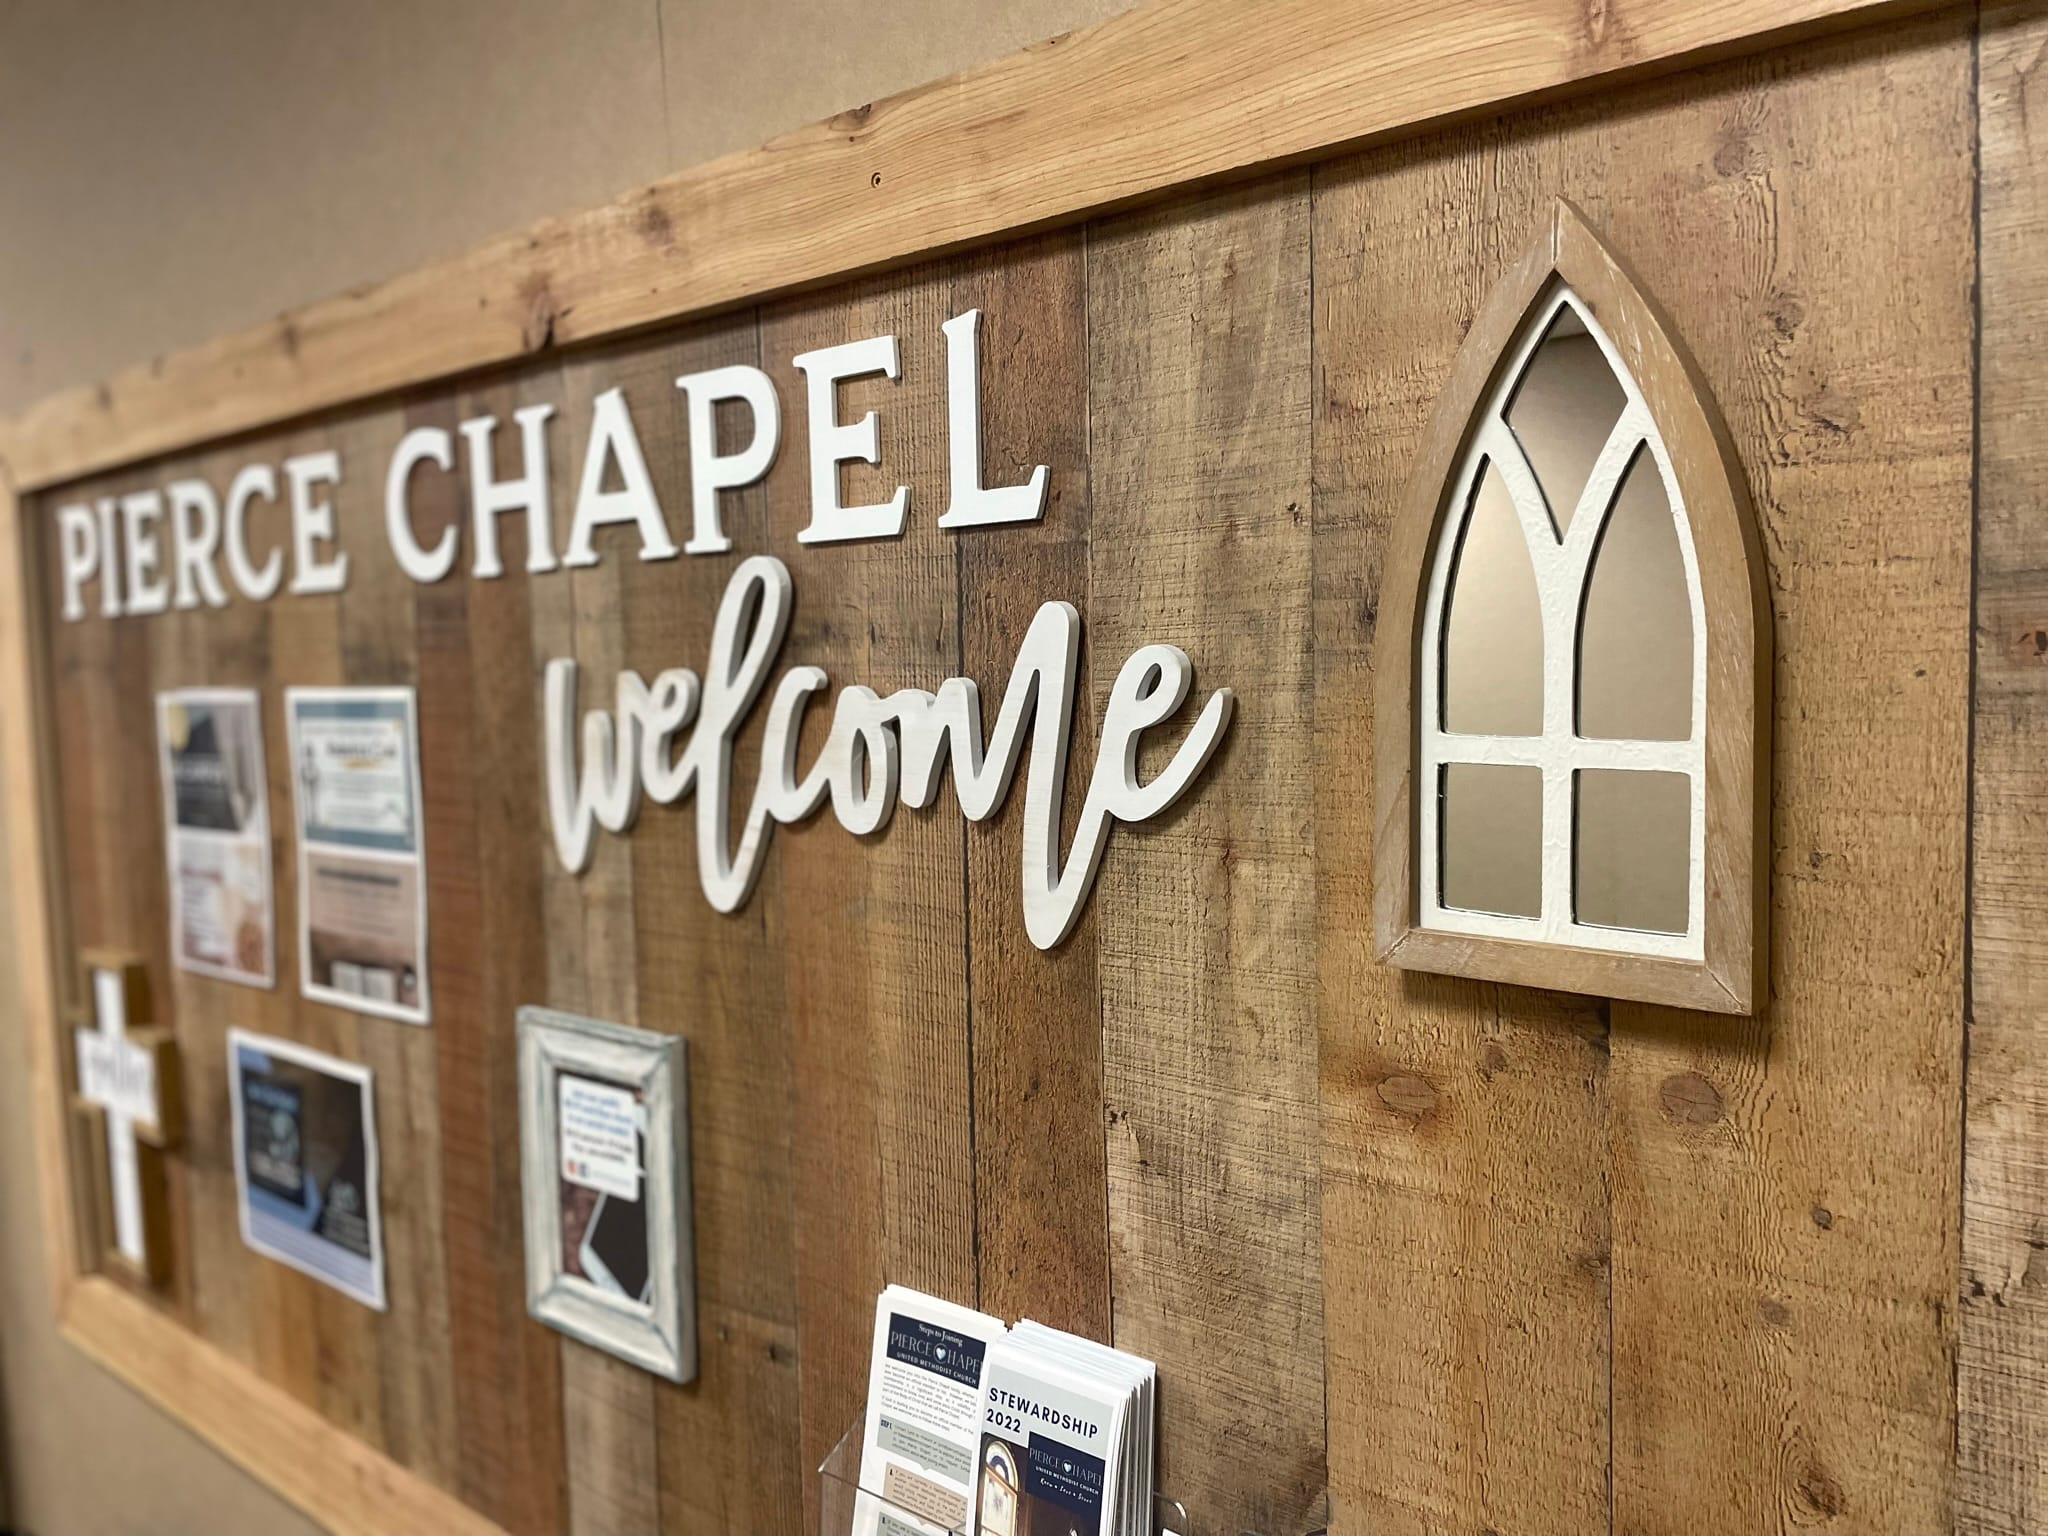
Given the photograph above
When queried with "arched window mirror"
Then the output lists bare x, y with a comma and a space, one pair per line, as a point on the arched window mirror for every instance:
1574, 660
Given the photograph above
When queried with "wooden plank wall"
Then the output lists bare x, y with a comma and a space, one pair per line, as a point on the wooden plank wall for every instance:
2003, 1373
1446, 1256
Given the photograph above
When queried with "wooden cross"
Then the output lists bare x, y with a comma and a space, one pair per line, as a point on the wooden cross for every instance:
128, 1107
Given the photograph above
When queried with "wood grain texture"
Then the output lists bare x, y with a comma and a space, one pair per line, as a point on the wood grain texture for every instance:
882, 1096
1786, 1190
478, 690
1199, 415
1041, 1211
237, 655
1465, 1220
2002, 1372
610, 1435
1170, 93
413, 1359
29, 799
728, 1441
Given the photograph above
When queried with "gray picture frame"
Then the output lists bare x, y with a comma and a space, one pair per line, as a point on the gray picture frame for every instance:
661, 1338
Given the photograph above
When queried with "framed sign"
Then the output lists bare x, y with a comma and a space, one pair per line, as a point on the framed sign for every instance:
605, 1173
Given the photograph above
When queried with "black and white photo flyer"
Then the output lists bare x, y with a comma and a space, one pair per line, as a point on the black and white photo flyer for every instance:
362, 878
924, 1412
305, 1154
217, 833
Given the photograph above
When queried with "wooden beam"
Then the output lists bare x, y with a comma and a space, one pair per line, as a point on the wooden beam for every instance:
24, 762
1174, 93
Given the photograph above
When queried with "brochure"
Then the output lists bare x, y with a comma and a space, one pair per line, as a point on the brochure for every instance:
924, 1412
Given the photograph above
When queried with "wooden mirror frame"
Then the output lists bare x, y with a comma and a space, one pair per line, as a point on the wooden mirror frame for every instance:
1732, 974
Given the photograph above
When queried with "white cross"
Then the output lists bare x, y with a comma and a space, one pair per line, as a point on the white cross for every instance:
120, 1077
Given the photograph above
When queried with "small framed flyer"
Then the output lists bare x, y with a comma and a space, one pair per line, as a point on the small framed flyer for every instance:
605, 1170
362, 856
305, 1152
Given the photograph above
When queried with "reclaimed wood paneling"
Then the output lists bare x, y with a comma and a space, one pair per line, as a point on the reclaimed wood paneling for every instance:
611, 1435
1198, 381
882, 1098
1465, 1204
1035, 1019
2002, 1376
1470, 1257
729, 1456
476, 664
1786, 1188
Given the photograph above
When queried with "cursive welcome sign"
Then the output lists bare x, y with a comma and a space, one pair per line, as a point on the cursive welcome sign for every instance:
163, 548
879, 750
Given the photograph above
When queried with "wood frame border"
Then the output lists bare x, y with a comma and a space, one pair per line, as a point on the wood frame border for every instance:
1733, 976
552, 1041
1172, 95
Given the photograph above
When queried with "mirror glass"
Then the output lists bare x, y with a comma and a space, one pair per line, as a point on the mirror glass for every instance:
1632, 849
1635, 630
1492, 821
1493, 631
1563, 410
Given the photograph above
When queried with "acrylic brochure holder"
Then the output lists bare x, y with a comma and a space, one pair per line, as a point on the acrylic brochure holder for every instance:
845, 1508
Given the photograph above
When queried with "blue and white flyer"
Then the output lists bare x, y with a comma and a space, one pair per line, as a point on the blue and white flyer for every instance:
924, 1413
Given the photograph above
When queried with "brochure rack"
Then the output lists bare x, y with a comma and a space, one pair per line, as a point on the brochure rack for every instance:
841, 1498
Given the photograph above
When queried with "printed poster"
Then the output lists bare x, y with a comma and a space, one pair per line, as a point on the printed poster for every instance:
217, 833
305, 1154
362, 877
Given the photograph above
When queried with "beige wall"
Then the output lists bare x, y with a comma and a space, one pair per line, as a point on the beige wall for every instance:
171, 171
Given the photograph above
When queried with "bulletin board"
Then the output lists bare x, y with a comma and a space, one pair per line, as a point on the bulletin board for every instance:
1412, 1253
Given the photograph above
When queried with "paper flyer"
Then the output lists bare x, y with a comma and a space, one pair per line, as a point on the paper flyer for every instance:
362, 878
924, 1411
603, 1163
305, 1153
217, 834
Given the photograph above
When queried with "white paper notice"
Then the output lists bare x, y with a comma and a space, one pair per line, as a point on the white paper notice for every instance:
600, 1136
358, 776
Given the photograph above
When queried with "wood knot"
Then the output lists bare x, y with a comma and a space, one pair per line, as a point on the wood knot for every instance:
1786, 314
2030, 642
1818, 1493
1407, 1095
537, 326
853, 119
656, 227
1734, 153
1823, 1217
1492, 1059
1774, 1312
1690, 1099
